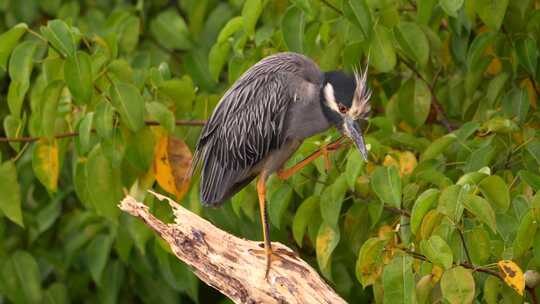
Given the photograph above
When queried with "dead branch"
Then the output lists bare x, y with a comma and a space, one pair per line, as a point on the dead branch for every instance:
232, 265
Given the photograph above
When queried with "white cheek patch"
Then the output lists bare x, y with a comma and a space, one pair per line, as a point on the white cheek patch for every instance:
359, 107
330, 98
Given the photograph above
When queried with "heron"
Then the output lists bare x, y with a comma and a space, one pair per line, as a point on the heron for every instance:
264, 117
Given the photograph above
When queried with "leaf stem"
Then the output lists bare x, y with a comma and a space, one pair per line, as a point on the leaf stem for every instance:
73, 134
331, 6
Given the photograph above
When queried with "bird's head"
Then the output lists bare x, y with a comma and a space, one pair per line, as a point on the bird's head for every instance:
345, 101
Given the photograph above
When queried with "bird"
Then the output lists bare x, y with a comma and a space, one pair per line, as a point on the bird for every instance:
263, 118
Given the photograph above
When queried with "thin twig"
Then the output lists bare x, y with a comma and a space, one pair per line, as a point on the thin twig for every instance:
403, 212
73, 134
330, 5
422, 257
464, 245
434, 100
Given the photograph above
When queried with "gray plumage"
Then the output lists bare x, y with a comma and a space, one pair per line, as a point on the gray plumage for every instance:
250, 127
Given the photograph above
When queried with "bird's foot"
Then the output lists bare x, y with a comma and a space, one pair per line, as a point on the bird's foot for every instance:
269, 255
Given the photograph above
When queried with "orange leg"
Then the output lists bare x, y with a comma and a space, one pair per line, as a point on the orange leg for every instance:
261, 190
284, 174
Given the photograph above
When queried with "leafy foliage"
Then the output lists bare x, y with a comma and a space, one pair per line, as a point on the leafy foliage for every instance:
104, 97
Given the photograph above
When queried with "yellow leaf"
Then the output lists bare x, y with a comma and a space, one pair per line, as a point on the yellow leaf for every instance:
45, 163
494, 68
390, 161
512, 275
437, 272
407, 163
172, 159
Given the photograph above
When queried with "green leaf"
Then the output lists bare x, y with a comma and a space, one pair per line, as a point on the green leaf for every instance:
233, 25
383, 55
181, 92
49, 112
438, 146
163, 115
451, 7
97, 254
20, 69
78, 77
414, 102
250, 14
369, 263
332, 200
360, 15
496, 192
103, 119
530, 178
21, 279
437, 251
354, 167
103, 184
170, 30
129, 103
292, 27
424, 203
479, 245
516, 103
13, 127
217, 58
386, 183
525, 234
482, 210
457, 285
46, 163
85, 132
303, 216
8, 41
327, 239
56, 294
471, 178
425, 9
527, 53
278, 202
478, 47
61, 37
10, 200
451, 202
413, 42
398, 281
491, 12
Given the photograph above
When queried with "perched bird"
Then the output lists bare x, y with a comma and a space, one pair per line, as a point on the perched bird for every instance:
264, 117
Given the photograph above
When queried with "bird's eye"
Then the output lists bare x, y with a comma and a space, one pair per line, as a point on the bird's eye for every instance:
342, 108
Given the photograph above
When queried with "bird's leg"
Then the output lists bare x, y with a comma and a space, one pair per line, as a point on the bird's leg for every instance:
261, 190
284, 174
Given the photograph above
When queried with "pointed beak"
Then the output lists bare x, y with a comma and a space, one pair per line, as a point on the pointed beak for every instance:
353, 131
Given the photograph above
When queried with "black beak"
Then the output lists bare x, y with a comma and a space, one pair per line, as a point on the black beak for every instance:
353, 131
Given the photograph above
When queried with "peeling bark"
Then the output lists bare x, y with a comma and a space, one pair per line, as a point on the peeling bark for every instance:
232, 265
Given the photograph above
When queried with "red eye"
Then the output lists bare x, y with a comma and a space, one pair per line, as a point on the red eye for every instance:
342, 108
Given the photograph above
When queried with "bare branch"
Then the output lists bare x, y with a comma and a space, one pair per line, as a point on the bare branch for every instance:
73, 134
235, 266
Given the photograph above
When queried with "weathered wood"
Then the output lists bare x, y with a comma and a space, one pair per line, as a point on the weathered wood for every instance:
232, 265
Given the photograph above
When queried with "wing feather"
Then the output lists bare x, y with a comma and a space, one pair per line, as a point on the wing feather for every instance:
248, 123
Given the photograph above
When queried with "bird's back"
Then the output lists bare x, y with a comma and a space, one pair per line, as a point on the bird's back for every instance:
249, 122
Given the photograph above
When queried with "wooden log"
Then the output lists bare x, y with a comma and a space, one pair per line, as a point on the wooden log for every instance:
232, 265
